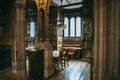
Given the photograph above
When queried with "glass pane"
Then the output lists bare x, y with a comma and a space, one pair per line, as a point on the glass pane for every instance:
72, 27
78, 27
66, 29
32, 29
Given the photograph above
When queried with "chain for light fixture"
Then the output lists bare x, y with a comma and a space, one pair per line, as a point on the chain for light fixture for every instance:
61, 2
60, 24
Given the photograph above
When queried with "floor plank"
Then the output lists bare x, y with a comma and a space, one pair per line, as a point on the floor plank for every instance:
77, 70
8, 75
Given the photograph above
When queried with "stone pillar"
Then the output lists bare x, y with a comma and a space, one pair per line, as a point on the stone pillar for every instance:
41, 22
113, 40
99, 39
95, 54
43, 37
20, 39
47, 27
106, 40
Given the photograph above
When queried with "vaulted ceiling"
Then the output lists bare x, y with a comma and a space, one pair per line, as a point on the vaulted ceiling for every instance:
68, 3
84, 5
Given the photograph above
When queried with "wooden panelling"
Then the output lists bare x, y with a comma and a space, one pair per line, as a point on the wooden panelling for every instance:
72, 42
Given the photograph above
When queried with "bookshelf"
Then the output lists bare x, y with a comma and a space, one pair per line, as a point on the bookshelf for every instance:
2, 23
87, 39
52, 26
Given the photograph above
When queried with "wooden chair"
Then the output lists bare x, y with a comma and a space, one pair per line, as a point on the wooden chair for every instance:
71, 53
64, 58
56, 60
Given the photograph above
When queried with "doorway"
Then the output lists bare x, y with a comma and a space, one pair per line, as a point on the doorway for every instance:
75, 35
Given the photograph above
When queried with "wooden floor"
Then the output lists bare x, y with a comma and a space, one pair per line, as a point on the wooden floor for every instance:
8, 75
77, 70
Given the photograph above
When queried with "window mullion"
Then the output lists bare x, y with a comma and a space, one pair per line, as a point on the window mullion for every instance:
81, 26
75, 27
69, 27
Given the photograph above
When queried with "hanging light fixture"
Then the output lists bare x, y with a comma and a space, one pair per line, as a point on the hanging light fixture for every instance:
60, 24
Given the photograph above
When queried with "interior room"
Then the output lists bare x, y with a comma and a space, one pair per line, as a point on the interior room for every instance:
59, 40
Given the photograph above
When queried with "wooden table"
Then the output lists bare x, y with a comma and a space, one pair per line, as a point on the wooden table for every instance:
76, 48
77, 51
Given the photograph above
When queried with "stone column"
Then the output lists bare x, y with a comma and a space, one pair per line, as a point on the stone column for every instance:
106, 40
20, 39
41, 25
95, 64
47, 27
49, 70
113, 40
43, 7
99, 39
43, 20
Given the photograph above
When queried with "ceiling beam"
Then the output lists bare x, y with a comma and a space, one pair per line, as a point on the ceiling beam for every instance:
78, 3
68, 1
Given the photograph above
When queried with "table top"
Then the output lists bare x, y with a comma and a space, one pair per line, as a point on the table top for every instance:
72, 47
